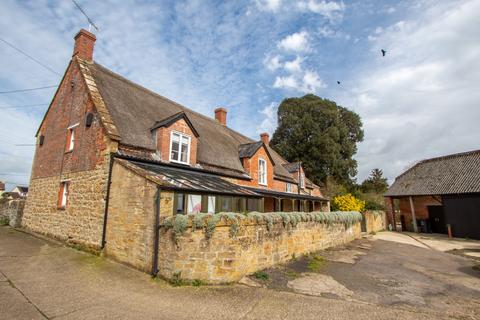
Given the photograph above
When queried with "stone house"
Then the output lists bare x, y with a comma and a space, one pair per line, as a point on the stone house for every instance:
21, 190
113, 158
440, 195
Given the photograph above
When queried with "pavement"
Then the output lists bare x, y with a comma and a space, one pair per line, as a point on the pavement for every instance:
41, 279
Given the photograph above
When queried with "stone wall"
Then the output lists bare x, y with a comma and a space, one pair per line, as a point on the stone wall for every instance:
13, 211
223, 258
375, 221
131, 218
81, 222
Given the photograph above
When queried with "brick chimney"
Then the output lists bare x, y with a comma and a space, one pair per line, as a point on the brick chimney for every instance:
221, 115
84, 42
265, 137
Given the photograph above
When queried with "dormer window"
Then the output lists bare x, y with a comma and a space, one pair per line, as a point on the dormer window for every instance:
262, 172
302, 180
179, 147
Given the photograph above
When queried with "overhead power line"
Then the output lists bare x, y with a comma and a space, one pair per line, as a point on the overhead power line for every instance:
90, 22
29, 56
29, 89
24, 106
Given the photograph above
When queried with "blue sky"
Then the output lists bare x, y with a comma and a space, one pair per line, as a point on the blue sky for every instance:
421, 100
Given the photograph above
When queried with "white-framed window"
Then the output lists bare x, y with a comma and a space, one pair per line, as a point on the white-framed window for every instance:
289, 187
63, 194
262, 171
211, 204
179, 147
194, 203
71, 137
302, 180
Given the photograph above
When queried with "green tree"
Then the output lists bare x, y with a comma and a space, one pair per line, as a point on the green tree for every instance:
375, 183
320, 134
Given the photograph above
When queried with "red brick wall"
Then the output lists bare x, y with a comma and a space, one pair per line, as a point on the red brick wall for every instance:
420, 204
163, 140
251, 167
69, 107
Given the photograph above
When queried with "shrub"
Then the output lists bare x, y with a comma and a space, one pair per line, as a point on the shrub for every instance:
208, 222
261, 275
347, 203
4, 221
316, 263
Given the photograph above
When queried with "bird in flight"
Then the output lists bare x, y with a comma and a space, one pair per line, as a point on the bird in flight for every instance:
338, 82
383, 52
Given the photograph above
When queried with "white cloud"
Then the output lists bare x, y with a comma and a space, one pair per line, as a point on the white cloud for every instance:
269, 123
421, 99
312, 82
294, 66
329, 33
287, 82
273, 63
269, 5
296, 42
391, 10
330, 9
308, 82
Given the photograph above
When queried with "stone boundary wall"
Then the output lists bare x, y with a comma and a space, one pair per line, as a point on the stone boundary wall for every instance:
225, 258
375, 221
13, 211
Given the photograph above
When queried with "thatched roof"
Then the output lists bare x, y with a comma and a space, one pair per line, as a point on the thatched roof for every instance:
452, 174
136, 110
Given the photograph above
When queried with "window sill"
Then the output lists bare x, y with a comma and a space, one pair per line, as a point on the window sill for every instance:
180, 162
263, 184
61, 208
69, 151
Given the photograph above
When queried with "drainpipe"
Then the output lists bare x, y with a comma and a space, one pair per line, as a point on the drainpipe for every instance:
156, 233
107, 200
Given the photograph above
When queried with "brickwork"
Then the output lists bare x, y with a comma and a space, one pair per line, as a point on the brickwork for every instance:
69, 107
420, 204
224, 258
164, 138
251, 167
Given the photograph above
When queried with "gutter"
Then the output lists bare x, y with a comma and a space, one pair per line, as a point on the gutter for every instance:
156, 233
107, 200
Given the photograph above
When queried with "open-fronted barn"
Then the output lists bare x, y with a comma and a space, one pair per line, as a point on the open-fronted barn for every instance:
438, 195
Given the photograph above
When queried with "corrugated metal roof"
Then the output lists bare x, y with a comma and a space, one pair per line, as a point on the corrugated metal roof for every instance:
452, 174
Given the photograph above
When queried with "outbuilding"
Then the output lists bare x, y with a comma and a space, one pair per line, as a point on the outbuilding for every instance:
438, 195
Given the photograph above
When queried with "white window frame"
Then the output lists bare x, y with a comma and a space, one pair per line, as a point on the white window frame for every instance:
180, 147
263, 183
65, 193
289, 187
302, 180
71, 131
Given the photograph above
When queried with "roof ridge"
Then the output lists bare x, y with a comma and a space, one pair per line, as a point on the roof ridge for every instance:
439, 158
151, 92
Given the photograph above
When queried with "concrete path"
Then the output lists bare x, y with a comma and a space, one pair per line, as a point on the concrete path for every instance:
44, 280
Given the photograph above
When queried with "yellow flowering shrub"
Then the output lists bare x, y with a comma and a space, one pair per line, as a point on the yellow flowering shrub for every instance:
347, 202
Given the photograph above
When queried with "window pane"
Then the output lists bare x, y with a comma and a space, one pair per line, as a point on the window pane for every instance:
184, 152
225, 204
211, 204
252, 205
64, 194
194, 203
180, 203
174, 154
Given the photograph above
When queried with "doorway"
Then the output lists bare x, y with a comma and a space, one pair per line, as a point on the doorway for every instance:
436, 217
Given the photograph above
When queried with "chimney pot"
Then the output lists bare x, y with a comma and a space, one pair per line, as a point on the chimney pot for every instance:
221, 115
265, 138
84, 43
